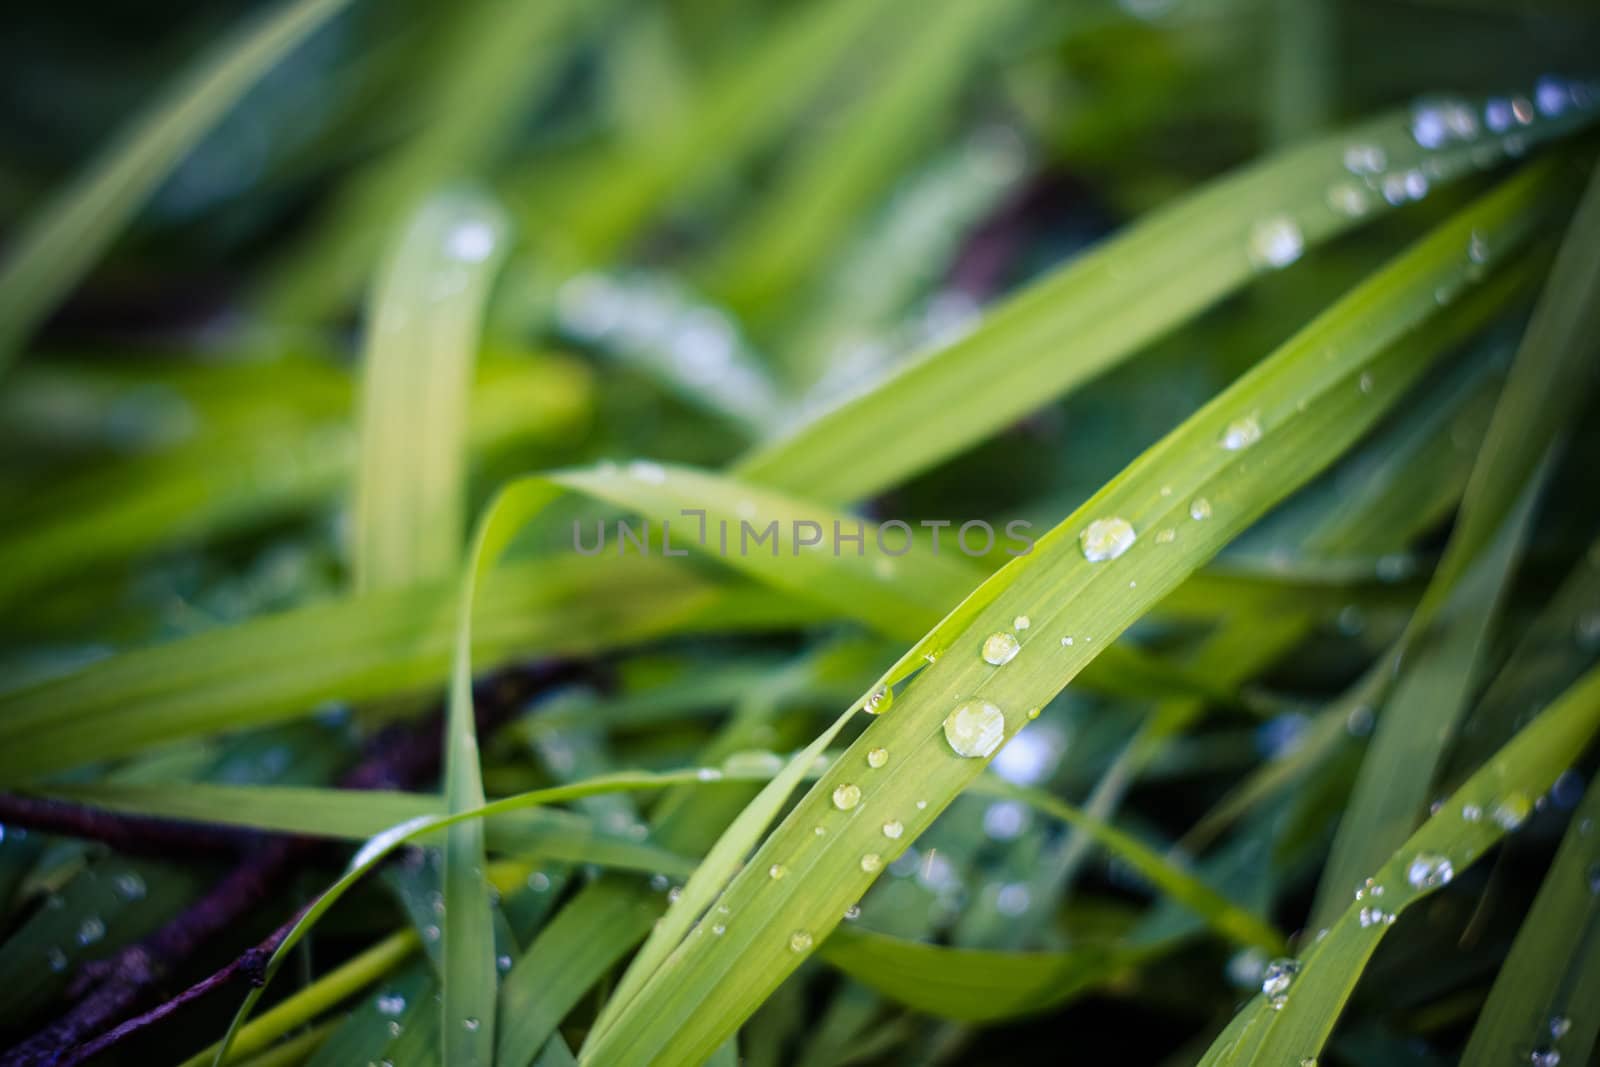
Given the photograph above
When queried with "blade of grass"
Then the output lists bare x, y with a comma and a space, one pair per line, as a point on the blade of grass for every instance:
1293, 1023
1545, 994
1095, 312
422, 341
1542, 394
1305, 404
71, 231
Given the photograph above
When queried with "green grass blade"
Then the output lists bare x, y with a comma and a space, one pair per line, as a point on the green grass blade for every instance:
422, 342
1093, 313
1305, 404
1542, 394
1545, 994
70, 232
1295, 1028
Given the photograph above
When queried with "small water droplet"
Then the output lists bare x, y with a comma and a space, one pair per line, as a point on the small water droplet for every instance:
846, 796
91, 930
1559, 1025
877, 757
1241, 434
1429, 870
1000, 649
675, 894
471, 1023
56, 959
1471, 813
718, 929
852, 913
1277, 977
1276, 242
1166, 536
879, 700
1544, 1057
893, 829
646, 471
922, 805
391, 1003
1349, 199
1200, 509
129, 886
1106, 539
1365, 159
975, 729
1021, 622
871, 862
708, 774
800, 941
777, 871
1066, 642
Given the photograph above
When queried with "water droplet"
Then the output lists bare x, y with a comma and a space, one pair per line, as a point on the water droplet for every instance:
1166, 536
922, 805
708, 774
1277, 977
1021, 622
777, 871
1365, 159
471, 1023
871, 862
1241, 434
846, 796
819, 830
56, 959
646, 471
1349, 200
1429, 870
675, 894
91, 930
1013, 899
1200, 509
974, 729
852, 913
1471, 813
1544, 1057
893, 829
718, 929
1593, 878
879, 700
800, 941
1511, 811
877, 757
1559, 1025
129, 886
1066, 642
1375, 916
391, 1003
1276, 242
1105, 539
1000, 648
471, 241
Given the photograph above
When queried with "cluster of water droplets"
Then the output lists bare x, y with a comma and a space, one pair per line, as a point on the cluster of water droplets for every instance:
1277, 978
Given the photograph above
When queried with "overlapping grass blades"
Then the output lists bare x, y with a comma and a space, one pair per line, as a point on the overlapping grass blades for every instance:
1286, 419
82, 220
1290, 1022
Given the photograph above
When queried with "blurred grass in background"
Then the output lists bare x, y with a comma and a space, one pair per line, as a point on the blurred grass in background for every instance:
291, 295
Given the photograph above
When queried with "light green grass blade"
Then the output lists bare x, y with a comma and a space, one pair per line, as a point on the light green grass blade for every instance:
1097, 311
280, 667
1470, 822
356, 815
1544, 996
422, 342
1270, 432
73, 229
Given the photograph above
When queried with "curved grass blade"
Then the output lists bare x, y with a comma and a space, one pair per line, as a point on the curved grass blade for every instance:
1297, 410
71, 231
422, 341
1544, 996
1104, 306
1293, 1023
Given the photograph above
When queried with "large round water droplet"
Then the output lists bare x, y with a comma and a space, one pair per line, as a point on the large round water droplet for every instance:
1105, 539
975, 729
1241, 434
846, 796
1277, 977
1276, 241
1000, 648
